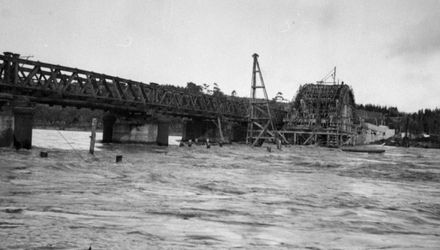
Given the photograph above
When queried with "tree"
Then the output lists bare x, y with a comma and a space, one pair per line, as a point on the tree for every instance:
206, 89
216, 91
279, 97
194, 88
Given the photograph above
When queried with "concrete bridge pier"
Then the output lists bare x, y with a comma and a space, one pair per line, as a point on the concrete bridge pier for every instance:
6, 124
108, 120
16, 121
132, 131
6, 128
23, 123
121, 129
162, 133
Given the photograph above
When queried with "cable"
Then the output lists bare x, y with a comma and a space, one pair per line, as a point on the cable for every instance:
74, 150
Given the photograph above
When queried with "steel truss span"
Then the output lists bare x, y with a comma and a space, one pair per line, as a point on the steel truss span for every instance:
60, 85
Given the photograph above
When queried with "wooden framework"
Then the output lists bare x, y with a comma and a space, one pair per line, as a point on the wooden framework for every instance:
54, 84
260, 124
321, 114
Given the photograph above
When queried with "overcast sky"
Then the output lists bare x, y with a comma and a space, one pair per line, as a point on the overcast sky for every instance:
388, 51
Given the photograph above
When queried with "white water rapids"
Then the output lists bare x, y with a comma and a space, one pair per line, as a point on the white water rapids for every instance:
223, 197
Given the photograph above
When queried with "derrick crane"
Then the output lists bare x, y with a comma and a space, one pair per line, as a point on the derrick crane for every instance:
260, 123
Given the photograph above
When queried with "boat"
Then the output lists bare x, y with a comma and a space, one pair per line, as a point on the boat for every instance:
363, 149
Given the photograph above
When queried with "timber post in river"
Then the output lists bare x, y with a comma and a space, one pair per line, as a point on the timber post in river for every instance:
93, 136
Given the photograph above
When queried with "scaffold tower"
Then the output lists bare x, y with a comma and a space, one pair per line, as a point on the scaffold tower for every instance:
260, 124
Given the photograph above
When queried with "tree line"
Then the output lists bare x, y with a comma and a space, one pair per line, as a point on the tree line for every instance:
423, 121
58, 117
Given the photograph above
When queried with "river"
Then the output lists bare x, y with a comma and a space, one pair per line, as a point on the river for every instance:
302, 197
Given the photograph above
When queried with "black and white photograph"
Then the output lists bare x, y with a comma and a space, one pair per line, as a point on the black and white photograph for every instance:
219, 124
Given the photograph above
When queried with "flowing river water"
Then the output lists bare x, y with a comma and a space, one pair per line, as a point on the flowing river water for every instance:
223, 197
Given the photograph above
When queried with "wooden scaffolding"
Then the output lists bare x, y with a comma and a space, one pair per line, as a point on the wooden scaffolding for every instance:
260, 124
322, 114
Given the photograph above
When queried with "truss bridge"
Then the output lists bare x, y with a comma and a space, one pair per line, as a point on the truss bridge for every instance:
59, 85
135, 111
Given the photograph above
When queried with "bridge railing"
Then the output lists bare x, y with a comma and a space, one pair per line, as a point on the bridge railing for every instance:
55, 84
